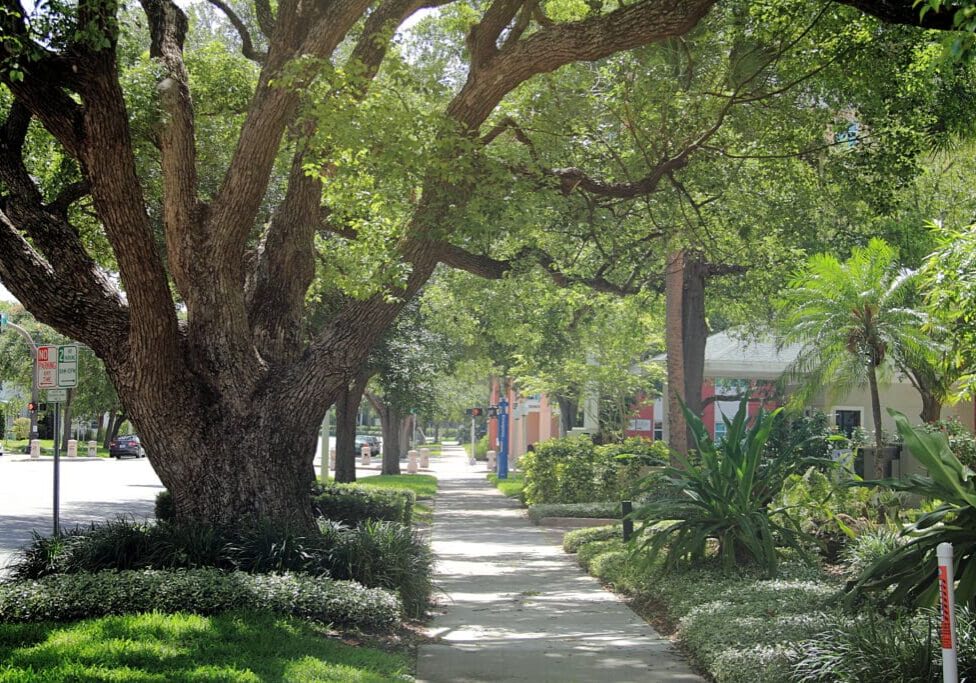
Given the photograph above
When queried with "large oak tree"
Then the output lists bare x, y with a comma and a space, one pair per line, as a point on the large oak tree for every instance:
206, 337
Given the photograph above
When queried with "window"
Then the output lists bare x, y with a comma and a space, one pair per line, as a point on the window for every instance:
719, 431
658, 430
847, 420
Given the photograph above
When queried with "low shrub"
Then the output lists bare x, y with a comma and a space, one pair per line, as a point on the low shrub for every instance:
574, 470
376, 554
572, 540
67, 597
21, 428
724, 502
734, 624
962, 442
353, 505
164, 510
585, 510
588, 552
383, 554
868, 547
876, 649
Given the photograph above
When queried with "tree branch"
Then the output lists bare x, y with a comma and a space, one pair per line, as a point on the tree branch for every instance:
77, 301
167, 27
265, 17
495, 74
68, 195
247, 45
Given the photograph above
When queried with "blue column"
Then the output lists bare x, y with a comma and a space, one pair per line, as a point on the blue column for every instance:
503, 439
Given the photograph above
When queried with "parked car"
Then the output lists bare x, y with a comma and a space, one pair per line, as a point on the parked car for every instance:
362, 440
126, 445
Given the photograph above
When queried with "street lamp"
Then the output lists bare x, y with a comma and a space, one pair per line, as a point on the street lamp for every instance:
33, 350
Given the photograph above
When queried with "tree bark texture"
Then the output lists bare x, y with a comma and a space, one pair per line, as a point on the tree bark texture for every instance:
686, 333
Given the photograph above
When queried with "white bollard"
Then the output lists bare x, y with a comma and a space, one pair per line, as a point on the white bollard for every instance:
411, 462
947, 621
332, 459
424, 458
35, 448
366, 455
492, 462
72, 451
92, 449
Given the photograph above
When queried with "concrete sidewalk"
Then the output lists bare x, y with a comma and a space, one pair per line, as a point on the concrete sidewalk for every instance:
519, 609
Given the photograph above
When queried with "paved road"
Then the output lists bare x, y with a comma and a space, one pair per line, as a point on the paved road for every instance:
517, 608
90, 490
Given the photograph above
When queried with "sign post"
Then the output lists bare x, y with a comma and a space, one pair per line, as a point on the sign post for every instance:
503, 439
57, 371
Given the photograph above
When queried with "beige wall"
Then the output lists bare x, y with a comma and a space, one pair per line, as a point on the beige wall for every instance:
901, 397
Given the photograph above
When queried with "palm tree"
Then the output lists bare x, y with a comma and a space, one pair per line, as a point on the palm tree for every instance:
851, 319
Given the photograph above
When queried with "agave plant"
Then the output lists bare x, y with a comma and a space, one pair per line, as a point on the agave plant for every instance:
724, 496
911, 569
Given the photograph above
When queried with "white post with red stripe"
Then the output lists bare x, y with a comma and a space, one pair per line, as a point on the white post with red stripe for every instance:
947, 608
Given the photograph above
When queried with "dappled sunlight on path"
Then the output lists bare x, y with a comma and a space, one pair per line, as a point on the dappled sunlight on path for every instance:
516, 608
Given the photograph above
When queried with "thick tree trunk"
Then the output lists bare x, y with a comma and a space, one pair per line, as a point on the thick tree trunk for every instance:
390, 421
347, 409
931, 408
685, 335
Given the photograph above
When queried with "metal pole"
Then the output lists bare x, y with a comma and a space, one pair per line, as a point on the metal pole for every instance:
626, 508
503, 439
473, 453
57, 470
33, 350
947, 602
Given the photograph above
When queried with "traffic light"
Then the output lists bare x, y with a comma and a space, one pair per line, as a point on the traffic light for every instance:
31, 407
477, 412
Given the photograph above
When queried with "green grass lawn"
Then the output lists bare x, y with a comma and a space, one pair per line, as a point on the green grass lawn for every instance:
155, 647
424, 485
512, 486
47, 447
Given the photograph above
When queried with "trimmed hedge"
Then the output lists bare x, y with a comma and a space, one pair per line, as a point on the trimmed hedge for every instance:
65, 597
377, 554
609, 510
572, 540
573, 470
347, 503
353, 505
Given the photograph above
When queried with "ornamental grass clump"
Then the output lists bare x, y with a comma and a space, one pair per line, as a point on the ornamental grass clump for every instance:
722, 499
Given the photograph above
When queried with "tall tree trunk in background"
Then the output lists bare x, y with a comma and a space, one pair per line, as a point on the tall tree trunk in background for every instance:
347, 410
390, 421
686, 333
880, 461
567, 414
66, 434
115, 421
406, 431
